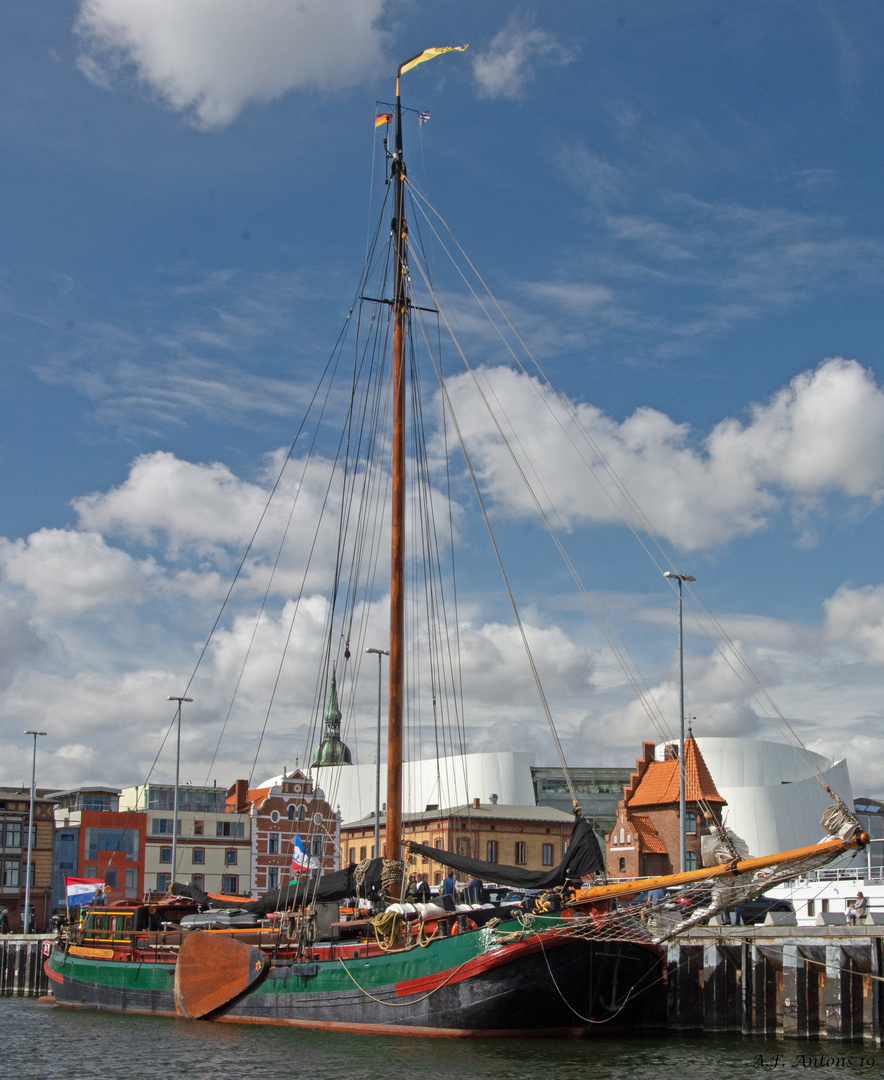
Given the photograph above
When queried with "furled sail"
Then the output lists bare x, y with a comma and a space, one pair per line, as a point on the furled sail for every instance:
583, 857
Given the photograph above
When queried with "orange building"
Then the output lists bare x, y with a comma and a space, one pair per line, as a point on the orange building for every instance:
645, 839
533, 837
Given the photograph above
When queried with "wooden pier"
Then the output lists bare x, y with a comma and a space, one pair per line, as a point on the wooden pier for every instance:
788, 981
21, 964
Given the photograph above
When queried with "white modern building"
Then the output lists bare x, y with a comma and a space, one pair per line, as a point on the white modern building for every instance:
774, 792
501, 776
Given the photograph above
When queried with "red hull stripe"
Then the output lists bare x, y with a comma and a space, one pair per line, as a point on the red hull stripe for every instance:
53, 976
477, 966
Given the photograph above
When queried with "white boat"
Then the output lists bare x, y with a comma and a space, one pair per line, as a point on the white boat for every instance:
831, 892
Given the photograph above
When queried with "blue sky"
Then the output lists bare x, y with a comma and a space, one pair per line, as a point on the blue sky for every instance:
678, 206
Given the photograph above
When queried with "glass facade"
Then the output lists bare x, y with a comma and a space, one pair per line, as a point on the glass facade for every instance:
127, 840
196, 799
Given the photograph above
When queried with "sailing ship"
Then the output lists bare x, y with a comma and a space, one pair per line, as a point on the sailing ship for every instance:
578, 959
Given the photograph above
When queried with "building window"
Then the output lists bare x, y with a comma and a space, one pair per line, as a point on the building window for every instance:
439, 845
235, 829
316, 846
199, 828
690, 821
274, 816
110, 877
824, 907
162, 826
273, 877
690, 860
230, 884
198, 855
11, 874
811, 908
622, 865
273, 843
13, 834
302, 812
131, 881
230, 856
198, 881
361, 853
491, 851
521, 853
352, 855
463, 845
547, 854
90, 871
165, 854
162, 882
292, 812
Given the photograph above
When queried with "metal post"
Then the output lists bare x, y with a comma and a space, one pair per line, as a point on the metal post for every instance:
682, 810
377, 768
26, 917
175, 798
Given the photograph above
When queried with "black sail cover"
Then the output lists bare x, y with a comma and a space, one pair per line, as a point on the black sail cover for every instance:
583, 857
338, 885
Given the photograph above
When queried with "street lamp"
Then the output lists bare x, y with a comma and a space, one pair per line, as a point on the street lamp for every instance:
175, 800
26, 919
377, 768
682, 833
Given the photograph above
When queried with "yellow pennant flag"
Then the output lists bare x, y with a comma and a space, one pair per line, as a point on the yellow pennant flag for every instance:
428, 54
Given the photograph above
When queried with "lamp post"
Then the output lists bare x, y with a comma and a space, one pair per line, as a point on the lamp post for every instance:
377, 768
26, 917
682, 834
175, 799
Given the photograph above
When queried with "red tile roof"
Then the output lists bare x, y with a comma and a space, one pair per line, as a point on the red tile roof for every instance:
649, 838
659, 781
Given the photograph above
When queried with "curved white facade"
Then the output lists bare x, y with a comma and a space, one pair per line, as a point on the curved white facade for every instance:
451, 781
774, 795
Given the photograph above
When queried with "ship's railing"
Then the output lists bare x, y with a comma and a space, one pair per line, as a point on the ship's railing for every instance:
841, 873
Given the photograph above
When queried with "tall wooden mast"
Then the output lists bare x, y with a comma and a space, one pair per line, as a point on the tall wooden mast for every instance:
393, 834
397, 554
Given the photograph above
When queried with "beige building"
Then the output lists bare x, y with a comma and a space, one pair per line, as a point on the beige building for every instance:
214, 845
533, 837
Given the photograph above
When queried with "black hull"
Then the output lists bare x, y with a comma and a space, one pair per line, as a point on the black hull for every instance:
572, 989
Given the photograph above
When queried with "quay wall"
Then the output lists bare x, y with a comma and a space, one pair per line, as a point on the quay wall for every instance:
21, 964
788, 981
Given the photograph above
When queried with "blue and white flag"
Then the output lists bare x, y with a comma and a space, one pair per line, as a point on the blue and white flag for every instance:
301, 858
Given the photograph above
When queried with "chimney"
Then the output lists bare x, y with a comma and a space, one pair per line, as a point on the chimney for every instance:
240, 793
476, 804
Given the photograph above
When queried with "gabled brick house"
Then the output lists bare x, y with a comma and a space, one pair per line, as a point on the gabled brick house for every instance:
645, 839
290, 807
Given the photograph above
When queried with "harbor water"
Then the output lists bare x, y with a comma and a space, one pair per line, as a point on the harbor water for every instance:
44, 1042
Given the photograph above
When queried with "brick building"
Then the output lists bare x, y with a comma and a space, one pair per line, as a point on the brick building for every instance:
14, 812
645, 839
534, 837
290, 807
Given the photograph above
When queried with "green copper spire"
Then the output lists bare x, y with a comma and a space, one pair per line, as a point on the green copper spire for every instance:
332, 751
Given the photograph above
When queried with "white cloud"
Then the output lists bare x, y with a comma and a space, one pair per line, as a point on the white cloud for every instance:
196, 506
512, 60
69, 572
823, 433
856, 616
212, 58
